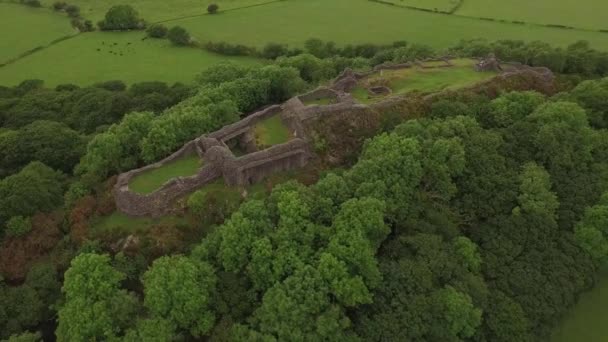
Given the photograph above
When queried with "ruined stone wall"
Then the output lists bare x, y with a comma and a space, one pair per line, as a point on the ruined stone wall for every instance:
349, 122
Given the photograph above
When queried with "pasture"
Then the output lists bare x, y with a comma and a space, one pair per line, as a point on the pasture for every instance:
433, 5
101, 56
155, 10
589, 14
25, 28
292, 22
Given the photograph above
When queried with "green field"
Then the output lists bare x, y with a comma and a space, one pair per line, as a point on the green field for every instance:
402, 81
434, 5
153, 11
25, 28
102, 56
361, 21
270, 132
587, 320
151, 180
589, 14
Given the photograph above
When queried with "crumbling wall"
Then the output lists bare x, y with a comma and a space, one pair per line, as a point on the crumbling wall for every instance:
345, 124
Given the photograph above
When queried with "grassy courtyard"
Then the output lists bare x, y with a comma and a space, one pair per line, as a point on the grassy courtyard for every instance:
25, 28
462, 74
151, 180
101, 56
270, 132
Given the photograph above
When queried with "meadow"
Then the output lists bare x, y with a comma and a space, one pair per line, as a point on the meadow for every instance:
100, 56
154, 11
587, 320
434, 5
588, 14
25, 28
292, 22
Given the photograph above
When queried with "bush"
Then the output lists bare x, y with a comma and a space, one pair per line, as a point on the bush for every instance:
179, 36
32, 3
121, 17
157, 31
59, 5
230, 49
274, 51
114, 85
213, 8
73, 11
18, 226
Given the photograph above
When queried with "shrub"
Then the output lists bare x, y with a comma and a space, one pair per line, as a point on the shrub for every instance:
213, 8
179, 36
32, 3
59, 5
114, 85
274, 51
230, 49
157, 31
18, 226
121, 17
73, 11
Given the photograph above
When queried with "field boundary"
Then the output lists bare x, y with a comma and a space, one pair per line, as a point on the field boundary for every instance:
38, 49
219, 13
453, 11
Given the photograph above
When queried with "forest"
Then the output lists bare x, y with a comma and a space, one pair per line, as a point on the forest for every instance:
480, 218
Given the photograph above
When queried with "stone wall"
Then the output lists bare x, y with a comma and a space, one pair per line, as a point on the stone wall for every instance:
301, 120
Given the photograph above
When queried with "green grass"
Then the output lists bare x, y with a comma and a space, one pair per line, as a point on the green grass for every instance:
271, 131
587, 320
154, 10
151, 180
583, 13
441, 5
362, 21
322, 101
121, 222
423, 80
25, 28
102, 56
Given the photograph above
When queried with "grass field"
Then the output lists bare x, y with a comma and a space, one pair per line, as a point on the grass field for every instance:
101, 56
589, 14
153, 11
423, 80
25, 28
151, 180
361, 21
439, 5
270, 132
587, 320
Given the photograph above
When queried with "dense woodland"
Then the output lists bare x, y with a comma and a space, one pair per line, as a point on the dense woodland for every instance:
482, 220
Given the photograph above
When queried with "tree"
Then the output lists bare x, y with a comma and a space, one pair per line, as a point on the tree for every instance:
73, 11
153, 330
455, 315
179, 36
95, 308
35, 188
121, 17
157, 31
178, 289
18, 226
591, 232
213, 8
